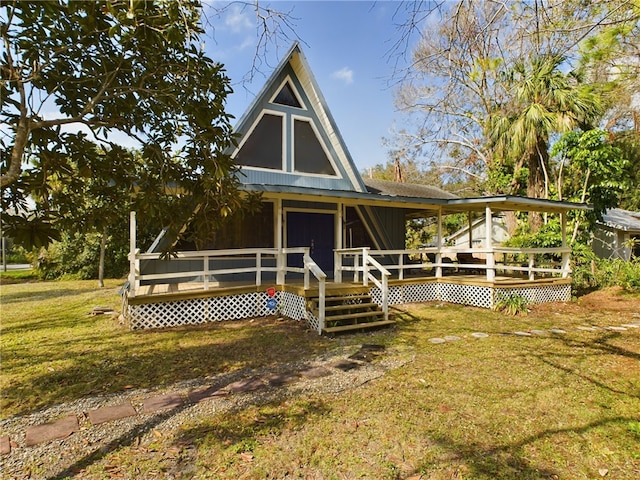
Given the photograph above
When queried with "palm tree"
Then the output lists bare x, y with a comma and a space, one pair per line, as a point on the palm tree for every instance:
545, 101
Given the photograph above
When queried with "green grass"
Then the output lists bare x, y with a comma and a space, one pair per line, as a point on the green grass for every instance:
54, 350
17, 276
502, 407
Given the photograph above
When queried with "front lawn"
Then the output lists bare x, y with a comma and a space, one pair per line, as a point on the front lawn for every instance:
553, 405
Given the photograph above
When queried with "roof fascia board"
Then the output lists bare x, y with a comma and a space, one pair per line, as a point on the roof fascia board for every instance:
500, 203
263, 91
513, 203
328, 121
346, 197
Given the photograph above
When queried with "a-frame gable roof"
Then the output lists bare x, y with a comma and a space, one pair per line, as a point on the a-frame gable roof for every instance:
288, 136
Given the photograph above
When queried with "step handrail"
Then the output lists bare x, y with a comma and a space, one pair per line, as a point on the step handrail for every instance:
311, 266
382, 284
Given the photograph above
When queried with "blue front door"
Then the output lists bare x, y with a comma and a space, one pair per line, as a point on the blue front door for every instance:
313, 230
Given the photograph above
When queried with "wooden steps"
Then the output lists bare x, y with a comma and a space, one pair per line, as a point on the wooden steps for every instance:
347, 313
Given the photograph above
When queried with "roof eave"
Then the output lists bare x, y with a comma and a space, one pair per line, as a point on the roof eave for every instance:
500, 203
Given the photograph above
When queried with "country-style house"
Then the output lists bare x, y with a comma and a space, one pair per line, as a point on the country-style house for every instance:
328, 247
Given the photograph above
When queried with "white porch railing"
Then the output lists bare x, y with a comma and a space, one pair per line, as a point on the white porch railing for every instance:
258, 262
363, 262
497, 259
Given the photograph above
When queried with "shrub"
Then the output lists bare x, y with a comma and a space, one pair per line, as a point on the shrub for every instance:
601, 273
76, 256
511, 304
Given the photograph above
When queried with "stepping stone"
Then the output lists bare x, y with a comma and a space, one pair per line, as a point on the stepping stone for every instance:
162, 402
368, 352
245, 386
616, 329
557, 330
51, 431
587, 329
630, 325
363, 356
522, 334
316, 372
115, 412
452, 338
437, 340
479, 335
279, 379
198, 395
538, 332
5, 445
371, 347
345, 365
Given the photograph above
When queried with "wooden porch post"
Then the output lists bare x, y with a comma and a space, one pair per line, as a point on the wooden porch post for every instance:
280, 258
132, 254
491, 261
470, 230
439, 245
566, 256
339, 228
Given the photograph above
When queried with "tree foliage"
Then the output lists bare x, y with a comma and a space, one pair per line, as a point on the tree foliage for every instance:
594, 169
80, 73
478, 62
543, 101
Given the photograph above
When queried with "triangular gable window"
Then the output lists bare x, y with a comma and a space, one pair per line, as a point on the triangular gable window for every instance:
287, 96
309, 155
263, 147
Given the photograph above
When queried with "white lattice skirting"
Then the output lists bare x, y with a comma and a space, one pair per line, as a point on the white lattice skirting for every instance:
548, 293
195, 311
473, 295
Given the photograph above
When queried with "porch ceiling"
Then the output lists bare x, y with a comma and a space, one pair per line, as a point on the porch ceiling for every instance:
416, 204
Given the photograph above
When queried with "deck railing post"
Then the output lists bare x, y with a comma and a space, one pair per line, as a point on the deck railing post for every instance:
385, 296
566, 256
132, 254
321, 303
439, 245
337, 262
365, 267
401, 265
491, 259
531, 263
491, 267
281, 262
205, 271
258, 269
306, 260
566, 264
136, 271
355, 268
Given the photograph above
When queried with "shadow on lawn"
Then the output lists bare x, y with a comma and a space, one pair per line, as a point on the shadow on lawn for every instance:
42, 294
102, 363
509, 461
232, 433
599, 346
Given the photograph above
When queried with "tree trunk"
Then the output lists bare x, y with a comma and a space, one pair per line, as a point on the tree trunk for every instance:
536, 186
103, 247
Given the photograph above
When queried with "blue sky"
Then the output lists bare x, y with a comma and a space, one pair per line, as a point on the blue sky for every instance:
346, 45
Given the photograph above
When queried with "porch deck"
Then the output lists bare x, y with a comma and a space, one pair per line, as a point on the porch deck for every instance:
190, 303
176, 291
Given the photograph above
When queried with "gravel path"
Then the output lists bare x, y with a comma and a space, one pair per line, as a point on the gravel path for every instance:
341, 369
